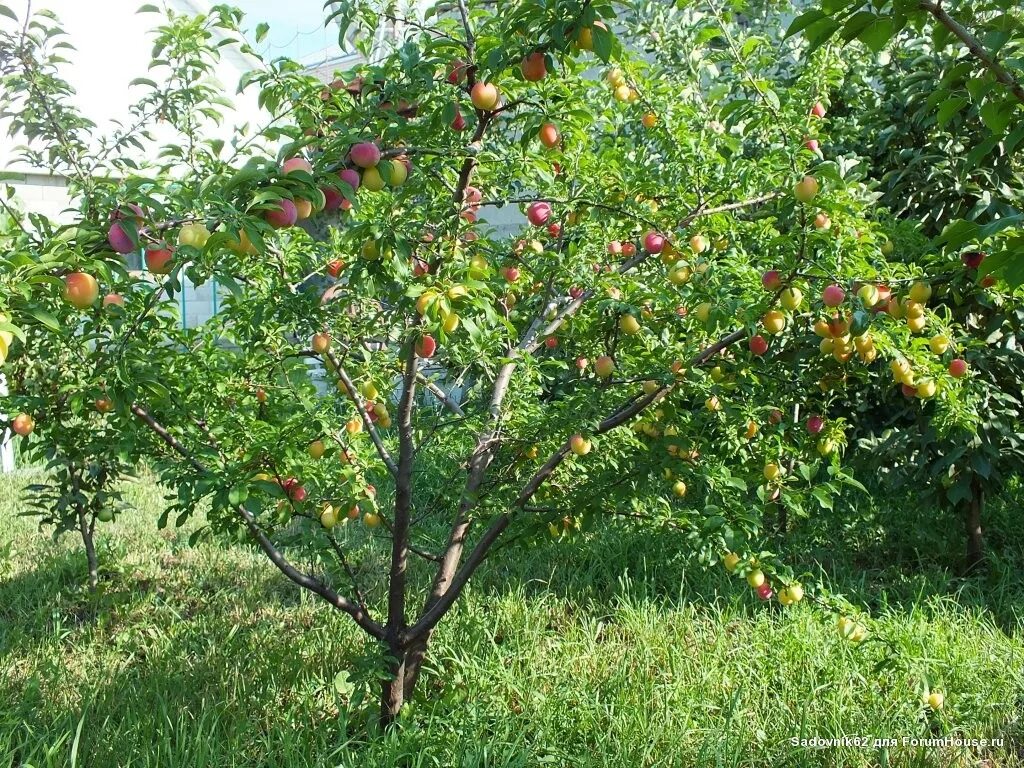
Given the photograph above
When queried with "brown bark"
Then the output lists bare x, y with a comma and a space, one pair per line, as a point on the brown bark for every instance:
85, 527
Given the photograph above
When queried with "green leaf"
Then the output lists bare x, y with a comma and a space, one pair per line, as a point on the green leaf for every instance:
603, 42
804, 20
878, 33
44, 318
823, 496
5, 11
951, 107
148, 8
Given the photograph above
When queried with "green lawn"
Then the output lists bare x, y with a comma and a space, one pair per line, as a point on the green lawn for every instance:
613, 650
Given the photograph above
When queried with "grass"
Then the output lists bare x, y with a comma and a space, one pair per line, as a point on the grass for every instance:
614, 650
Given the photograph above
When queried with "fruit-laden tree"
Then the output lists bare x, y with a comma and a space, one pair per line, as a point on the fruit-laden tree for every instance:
688, 268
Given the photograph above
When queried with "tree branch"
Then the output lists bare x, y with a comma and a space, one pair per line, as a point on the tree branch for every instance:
357, 612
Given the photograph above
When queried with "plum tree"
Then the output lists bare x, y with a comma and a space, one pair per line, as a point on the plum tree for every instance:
433, 330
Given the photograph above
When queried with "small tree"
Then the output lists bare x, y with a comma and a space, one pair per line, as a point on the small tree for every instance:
680, 277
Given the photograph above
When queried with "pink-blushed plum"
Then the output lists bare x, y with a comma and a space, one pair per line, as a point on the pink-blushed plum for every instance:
296, 164
654, 242
758, 345
484, 96
159, 258
332, 199
972, 259
538, 213
365, 154
81, 289
771, 280
534, 67
815, 424
425, 346
350, 176
119, 239
833, 296
284, 215
818, 110
958, 368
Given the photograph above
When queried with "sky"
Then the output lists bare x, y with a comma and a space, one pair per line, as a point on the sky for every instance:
296, 28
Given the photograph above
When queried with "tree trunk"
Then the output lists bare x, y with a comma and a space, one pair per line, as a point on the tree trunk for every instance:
86, 529
975, 545
393, 689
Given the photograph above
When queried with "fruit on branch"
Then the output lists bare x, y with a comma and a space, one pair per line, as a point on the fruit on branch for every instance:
751, 431
293, 164
334, 267
791, 594
354, 425
108, 300
868, 294
534, 67
806, 189
283, 215
371, 520
703, 311
758, 345
765, 592
457, 71
23, 424
538, 213
484, 96
104, 404
303, 208
604, 366
755, 578
243, 245
261, 395
425, 346
851, 629
699, 244
916, 324
585, 38
351, 177
649, 120
730, 561
772, 471
629, 249
791, 298
771, 280
713, 404
369, 390
399, 171
579, 445
958, 368
818, 110
320, 342
815, 424
365, 154
926, 388
939, 343
629, 325
511, 274
654, 242
833, 296
195, 234
920, 292
549, 135
935, 700
328, 517
972, 259
159, 259
679, 488
811, 144
822, 221
81, 289
614, 248
450, 322
317, 449
372, 180
119, 239
774, 322
623, 93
